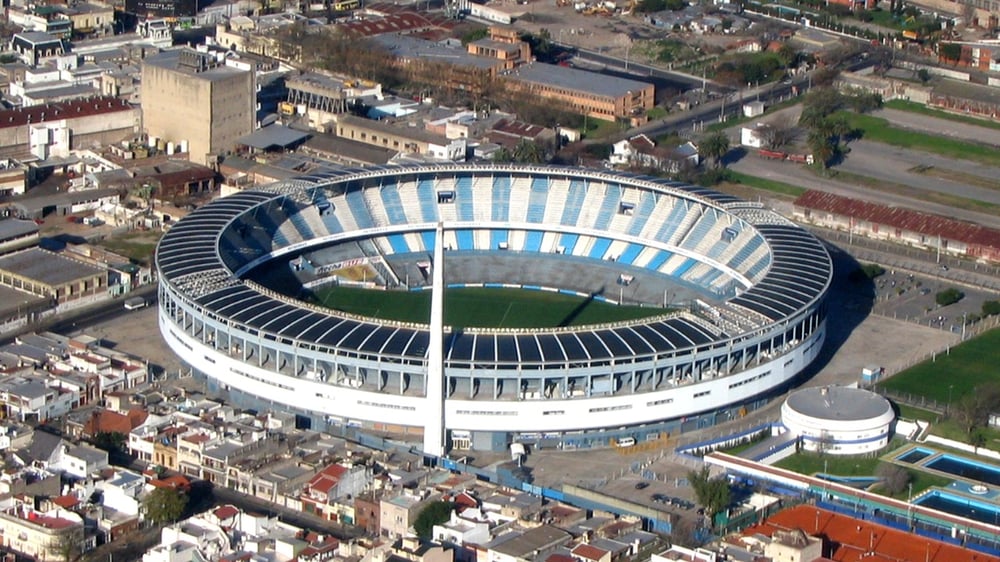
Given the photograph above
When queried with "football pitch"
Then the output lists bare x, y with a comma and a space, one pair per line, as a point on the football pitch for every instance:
481, 307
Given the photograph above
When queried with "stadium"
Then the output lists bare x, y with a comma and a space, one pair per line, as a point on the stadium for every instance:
731, 300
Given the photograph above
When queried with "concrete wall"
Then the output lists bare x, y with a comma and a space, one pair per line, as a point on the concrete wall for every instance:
209, 114
105, 128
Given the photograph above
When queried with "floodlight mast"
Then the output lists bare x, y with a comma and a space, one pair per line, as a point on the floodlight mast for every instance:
434, 437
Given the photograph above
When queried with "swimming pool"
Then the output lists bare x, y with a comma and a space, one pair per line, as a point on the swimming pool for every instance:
914, 456
961, 506
966, 468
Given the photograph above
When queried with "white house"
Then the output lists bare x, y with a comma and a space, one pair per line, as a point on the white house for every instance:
755, 136
753, 108
83, 460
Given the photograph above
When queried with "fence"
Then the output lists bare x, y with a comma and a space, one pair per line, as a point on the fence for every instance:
981, 451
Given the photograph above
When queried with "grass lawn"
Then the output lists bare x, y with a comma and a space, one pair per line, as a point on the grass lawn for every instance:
913, 413
599, 128
915, 107
482, 307
656, 113
879, 130
921, 481
773, 186
811, 463
885, 18
958, 373
138, 247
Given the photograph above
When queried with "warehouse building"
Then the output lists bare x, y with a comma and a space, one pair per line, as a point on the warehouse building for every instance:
51, 275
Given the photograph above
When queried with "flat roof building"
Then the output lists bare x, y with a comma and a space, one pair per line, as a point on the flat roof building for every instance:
196, 100
51, 275
588, 93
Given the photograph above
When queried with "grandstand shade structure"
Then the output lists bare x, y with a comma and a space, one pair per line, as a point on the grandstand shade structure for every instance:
766, 280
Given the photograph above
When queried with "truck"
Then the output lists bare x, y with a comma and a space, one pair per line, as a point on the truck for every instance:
771, 154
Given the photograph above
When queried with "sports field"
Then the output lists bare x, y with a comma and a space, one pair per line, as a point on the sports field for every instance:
481, 307
968, 365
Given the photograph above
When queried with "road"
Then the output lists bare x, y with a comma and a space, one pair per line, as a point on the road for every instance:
937, 126
87, 316
897, 165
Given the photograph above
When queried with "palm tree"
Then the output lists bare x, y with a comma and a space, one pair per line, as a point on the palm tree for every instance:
715, 146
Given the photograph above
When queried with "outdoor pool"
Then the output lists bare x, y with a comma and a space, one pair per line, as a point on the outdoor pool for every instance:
915, 455
961, 506
966, 468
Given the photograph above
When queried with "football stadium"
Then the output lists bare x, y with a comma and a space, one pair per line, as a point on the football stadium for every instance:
472, 306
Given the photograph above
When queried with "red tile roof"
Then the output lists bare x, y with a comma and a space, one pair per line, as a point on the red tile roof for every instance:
107, 421
589, 552
176, 482
393, 23
327, 478
855, 540
66, 502
61, 110
226, 512
906, 219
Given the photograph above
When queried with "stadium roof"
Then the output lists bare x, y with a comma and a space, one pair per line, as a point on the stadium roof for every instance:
189, 258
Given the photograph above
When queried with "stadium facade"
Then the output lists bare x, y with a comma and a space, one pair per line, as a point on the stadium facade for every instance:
764, 280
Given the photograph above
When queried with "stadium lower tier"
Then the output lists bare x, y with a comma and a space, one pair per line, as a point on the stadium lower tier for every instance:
355, 392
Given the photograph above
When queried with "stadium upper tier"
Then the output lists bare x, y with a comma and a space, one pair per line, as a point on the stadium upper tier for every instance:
669, 227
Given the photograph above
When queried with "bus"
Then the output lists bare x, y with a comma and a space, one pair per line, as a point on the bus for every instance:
135, 303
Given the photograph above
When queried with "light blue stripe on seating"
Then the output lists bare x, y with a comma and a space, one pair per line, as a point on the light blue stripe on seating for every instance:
498, 237
398, 244
428, 200
501, 199
600, 248
466, 240
428, 237
536, 200
684, 267
533, 241
659, 259
574, 202
463, 194
630, 253
612, 197
567, 241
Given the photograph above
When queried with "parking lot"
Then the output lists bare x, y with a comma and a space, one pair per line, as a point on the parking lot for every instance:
911, 297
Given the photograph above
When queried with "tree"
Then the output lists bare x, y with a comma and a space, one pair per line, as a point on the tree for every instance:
780, 132
164, 505
711, 493
822, 149
991, 308
434, 513
948, 296
67, 546
715, 147
924, 75
895, 478
973, 409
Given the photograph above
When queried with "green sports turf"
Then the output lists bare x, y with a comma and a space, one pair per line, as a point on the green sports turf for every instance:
481, 307
967, 366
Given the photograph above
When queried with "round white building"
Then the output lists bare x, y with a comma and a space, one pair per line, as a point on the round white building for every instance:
838, 420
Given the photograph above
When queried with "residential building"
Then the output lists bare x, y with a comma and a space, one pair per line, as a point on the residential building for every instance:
39, 535
83, 461
330, 484
35, 399
397, 514
13, 179
34, 47
197, 101
524, 546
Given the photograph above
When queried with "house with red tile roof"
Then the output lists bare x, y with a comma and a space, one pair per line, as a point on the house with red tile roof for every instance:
584, 552
329, 494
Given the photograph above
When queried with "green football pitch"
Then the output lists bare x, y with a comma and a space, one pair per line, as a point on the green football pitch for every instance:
481, 307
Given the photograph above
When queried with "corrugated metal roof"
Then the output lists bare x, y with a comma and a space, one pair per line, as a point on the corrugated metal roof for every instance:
906, 219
